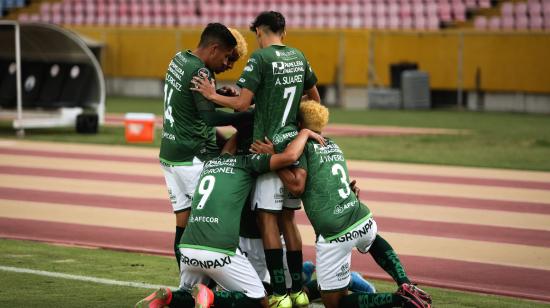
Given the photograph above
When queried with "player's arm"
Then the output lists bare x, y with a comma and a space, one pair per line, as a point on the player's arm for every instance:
222, 118
231, 145
207, 88
312, 94
294, 179
291, 153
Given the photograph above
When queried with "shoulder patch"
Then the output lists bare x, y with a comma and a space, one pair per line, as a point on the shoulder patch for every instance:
203, 72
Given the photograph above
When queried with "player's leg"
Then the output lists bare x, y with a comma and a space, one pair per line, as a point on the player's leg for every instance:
181, 182
408, 295
268, 200
294, 258
242, 286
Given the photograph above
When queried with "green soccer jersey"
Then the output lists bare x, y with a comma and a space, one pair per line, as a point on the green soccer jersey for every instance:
224, 186
184, 133
330, 204
278, 76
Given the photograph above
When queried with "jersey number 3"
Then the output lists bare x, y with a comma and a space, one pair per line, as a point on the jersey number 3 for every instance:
205, 189
338, 170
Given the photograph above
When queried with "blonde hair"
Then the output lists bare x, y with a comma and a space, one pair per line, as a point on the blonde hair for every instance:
242, 46
313, 115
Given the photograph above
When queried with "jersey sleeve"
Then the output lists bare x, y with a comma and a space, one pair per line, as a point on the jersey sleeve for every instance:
310, 78
251, 75
201, 102
257, 163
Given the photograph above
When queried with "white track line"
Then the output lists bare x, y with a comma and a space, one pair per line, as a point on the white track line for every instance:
84, 278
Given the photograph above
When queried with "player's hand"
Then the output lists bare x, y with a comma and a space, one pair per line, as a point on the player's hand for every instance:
204, 86
259, 147
320, 139
227, 91
354, 188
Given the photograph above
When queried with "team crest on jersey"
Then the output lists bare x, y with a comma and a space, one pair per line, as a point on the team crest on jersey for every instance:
203, 72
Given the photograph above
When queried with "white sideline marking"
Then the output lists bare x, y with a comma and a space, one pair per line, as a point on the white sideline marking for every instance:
97, 280
84, 278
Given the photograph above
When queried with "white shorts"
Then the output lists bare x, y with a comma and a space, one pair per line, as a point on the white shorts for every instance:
232, 273
333, 257
181, 182
271, 195
253, 249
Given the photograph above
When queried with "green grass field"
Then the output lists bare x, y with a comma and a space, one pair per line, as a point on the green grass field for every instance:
497, 140
31, 290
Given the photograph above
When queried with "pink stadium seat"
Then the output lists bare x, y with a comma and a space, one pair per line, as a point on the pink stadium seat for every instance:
494, 23
431, 9
507, 9
484, 3
459, 11
393, 22
368, 9
381, 22
380, 9
520, 9
470, 4
420, 23
480, 23
522, 23
405, 10
445, 12
508, 22
536, 23
406, 23
546, 8
393, 10
369, 22
534, 8
433, 23
418, 10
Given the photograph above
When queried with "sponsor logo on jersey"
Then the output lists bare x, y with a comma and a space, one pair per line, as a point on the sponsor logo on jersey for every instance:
203, 72
248, 68
352, 235
206, 264
340, 208
280, 68
208, 219
282, 137
343, 272
285, 53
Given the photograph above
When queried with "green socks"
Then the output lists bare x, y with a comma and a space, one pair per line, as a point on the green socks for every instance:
181, 299
177, 238
387, 259
294, 261
313, 290
371, 300
226, 299
274, 262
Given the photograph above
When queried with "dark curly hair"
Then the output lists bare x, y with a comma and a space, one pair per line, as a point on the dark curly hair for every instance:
275, 21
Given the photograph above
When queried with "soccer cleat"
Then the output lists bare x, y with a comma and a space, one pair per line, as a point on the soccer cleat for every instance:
204, 297
280, 301
360, 284
414, 296
299, 299
308, 268
158, 299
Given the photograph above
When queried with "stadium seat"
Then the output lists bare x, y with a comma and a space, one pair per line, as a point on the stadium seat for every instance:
480, 23
536, 23
508, 23
494, 23
522, 23
507, 9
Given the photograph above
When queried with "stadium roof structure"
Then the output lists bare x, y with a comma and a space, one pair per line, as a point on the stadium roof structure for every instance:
54, 73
